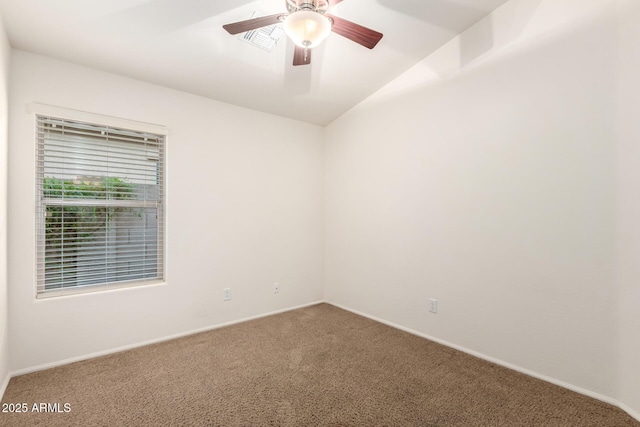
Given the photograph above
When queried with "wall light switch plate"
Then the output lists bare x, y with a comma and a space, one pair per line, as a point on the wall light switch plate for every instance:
433, 305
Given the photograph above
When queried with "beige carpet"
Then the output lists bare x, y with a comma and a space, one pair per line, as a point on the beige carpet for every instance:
315, 366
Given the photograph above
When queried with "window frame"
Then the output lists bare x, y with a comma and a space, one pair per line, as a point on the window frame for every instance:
40, 110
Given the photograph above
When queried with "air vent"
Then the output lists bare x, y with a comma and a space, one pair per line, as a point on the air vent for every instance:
265, 38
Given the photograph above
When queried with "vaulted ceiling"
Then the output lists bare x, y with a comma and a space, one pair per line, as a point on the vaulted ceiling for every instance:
181, 44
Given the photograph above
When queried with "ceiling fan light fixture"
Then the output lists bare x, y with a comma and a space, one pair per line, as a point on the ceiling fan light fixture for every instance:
307, 29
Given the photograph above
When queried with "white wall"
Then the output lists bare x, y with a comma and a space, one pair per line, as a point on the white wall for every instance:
5, 52
485, 177
244, 210
629, 205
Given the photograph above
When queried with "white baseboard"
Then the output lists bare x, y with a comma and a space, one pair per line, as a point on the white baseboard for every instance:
633, 413
5, 369
508, 365
5, 383
144, 343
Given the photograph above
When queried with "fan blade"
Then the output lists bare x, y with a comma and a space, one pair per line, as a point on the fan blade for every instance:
252, 24
354, 32
301, 56
333, 2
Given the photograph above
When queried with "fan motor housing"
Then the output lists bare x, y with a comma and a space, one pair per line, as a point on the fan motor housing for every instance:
319, 6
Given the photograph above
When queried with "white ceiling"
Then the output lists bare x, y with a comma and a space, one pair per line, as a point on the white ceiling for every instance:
181, 44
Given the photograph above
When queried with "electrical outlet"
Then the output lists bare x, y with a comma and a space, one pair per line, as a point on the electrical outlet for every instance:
276, 288
227, 294
433, 305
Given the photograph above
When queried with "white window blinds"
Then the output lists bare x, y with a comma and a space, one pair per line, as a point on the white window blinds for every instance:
100, 207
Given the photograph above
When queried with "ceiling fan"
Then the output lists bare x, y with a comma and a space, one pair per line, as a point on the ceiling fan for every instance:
307, 24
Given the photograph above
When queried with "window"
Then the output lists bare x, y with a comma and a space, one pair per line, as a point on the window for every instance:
100, 198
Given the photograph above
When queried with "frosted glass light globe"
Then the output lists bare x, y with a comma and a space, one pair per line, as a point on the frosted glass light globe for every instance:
307, 29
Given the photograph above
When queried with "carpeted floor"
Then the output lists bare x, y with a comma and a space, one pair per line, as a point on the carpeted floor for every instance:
317, 366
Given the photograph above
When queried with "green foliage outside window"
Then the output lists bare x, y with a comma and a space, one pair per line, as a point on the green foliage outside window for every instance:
68, 226
107, 187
